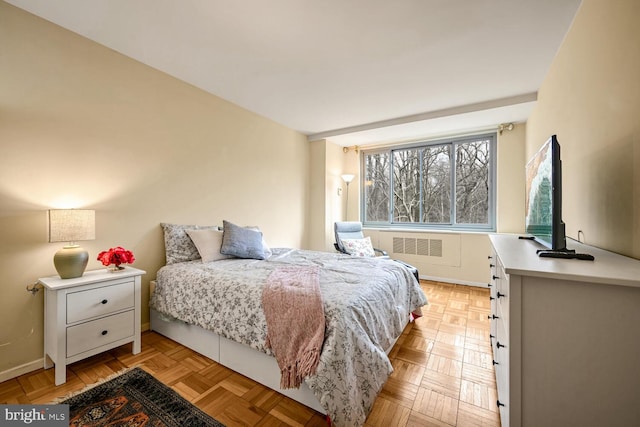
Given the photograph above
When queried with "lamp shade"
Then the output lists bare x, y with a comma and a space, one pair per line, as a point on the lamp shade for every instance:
348, 177
71, 225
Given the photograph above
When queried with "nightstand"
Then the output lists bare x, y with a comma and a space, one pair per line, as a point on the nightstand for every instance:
88, 315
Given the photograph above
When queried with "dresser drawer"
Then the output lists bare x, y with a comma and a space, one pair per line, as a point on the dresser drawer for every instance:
100, 301
502, 295
502, 309
90, 335
502, 337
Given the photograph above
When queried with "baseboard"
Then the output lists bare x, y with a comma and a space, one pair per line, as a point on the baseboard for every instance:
21, 370
39, 363
454, 281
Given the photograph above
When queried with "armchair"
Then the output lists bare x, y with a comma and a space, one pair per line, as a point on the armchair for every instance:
352, 230
348, 230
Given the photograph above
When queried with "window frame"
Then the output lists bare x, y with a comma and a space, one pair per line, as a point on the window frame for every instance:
452, 142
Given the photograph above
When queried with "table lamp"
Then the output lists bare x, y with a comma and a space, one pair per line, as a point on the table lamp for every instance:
71, 225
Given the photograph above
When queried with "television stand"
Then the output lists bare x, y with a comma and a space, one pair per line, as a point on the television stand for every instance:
562, 329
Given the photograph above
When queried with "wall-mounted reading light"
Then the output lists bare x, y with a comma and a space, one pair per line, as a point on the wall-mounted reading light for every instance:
354, 148
505, 126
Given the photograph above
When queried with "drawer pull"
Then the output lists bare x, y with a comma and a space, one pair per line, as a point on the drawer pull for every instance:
493, 316
105, 332
489, 284
491, 298
491, 337
489, 257
494, 362
104, 301
499, 403
495, 277
501, 295
500, 345
491, 265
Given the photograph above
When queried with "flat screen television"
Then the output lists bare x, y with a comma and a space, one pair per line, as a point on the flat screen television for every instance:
544, 197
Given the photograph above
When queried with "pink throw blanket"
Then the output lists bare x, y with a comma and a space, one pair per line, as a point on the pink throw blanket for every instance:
295, 322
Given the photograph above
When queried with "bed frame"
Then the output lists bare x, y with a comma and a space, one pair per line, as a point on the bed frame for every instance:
240, 358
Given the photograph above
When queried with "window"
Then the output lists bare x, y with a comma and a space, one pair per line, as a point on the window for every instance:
441, 184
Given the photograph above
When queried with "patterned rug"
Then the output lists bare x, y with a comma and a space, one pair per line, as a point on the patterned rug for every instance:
134, 399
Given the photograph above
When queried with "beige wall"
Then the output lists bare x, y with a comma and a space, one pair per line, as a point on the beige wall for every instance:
82, 126
351, 164
334, 198
317, 196
591, 100
328, 192
511, 180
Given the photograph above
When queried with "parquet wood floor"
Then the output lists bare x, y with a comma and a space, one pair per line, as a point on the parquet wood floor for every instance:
442, 376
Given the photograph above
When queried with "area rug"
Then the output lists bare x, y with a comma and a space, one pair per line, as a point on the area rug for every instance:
134, 399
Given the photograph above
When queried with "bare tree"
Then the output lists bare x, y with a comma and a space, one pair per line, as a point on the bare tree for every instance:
472, 182
437, 184
406, 185
423, 189
376, 187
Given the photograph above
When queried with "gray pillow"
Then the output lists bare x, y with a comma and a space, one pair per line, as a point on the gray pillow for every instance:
241, 242
178, 245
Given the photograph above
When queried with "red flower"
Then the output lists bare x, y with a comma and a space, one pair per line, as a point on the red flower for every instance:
117, 256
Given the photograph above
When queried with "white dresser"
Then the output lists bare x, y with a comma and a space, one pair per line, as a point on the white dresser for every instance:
88, 315
565, 336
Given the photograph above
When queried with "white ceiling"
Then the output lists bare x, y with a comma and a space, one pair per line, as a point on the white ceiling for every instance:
351, 71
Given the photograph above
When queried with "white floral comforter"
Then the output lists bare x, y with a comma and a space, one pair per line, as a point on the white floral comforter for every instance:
367, 302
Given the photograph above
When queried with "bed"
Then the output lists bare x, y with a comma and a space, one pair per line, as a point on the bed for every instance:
214, 307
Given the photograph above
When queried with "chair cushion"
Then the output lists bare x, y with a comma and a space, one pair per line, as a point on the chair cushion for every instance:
359, 247
348, 227
347, 230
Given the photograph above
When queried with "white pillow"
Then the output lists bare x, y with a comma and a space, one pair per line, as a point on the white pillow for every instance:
208, 243
359, 247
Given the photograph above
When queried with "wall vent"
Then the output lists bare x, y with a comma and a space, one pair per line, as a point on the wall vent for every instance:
423, 247
413, 246
410, 246
435, 247
398, 245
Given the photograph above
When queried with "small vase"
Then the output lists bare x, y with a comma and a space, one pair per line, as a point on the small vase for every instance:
114, 268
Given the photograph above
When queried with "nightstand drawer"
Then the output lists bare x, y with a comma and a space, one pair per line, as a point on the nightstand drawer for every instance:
90, 335
99, 301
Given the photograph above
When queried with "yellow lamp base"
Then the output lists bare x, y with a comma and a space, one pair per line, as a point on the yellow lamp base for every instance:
71, 261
